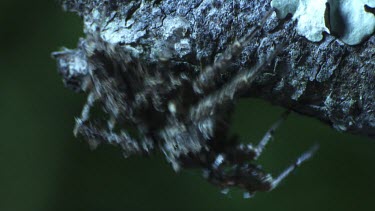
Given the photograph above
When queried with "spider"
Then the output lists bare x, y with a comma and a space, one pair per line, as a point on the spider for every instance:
183, 113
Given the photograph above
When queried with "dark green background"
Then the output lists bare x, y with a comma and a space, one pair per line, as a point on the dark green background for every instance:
43, 167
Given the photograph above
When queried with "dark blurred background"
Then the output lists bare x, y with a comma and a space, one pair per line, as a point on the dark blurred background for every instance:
43, 167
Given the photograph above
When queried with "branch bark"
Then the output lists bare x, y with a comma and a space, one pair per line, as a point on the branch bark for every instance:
329, 80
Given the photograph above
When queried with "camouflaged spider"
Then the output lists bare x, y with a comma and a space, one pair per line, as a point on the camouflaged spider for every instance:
183, 113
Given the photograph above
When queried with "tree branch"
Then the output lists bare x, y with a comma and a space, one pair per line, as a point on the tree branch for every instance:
328, 80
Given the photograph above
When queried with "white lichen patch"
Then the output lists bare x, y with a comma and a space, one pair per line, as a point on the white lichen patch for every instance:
359, 24
348, 19
283, 8
311, 21
309, 13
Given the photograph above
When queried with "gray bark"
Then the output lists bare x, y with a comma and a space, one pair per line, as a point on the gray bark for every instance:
328, 80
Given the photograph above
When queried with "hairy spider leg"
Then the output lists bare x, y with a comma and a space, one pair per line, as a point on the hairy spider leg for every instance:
269, 134
249, 176
259, 25
209, 105
304, 157
243, 153
96, 134
85, 114
207, 76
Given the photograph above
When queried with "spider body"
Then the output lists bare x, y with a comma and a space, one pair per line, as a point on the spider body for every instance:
182, 112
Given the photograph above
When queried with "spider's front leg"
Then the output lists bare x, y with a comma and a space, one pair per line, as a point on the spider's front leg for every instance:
210, 75
249, 176
96, 133
234, 166
241, 153
212, 103
301, 159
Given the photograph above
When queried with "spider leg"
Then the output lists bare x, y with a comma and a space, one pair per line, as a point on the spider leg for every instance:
208, 105
241, 153
269, 134
85, 114
207, 78
96, 134
304, 157
251, 177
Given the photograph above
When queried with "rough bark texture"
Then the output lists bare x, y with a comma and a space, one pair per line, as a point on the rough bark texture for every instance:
328, 80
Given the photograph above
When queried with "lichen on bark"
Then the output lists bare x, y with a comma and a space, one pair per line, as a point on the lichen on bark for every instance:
328, 80
350, 21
